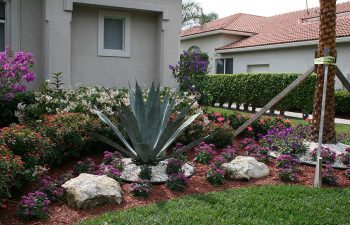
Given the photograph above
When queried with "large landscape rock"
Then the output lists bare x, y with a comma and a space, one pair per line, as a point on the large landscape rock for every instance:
245, 168
88, 191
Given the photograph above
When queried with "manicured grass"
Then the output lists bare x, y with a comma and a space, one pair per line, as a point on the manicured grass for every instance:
255, 205
340, 128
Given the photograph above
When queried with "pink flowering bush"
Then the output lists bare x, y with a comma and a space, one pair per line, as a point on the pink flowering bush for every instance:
218, 161
114, 159
205, 153
15, 68
35, 205
141, 188
345, 157
328, 155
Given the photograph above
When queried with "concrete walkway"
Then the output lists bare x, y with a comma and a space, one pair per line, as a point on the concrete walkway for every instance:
288, 114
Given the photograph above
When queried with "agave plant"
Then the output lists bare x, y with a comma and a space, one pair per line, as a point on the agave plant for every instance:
148, 126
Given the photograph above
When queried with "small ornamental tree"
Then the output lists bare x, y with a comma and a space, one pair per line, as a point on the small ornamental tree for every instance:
15, 70
190, 72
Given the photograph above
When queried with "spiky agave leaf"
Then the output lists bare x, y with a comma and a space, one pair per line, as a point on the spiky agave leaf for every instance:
147, 124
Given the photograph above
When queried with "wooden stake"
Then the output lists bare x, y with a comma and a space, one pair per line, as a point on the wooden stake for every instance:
318, 171
343, 79
275, 100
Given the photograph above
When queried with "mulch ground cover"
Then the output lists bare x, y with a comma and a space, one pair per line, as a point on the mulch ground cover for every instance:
62, 214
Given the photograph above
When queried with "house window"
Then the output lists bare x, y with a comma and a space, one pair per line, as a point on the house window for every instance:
114, 34
2, 26
224, 66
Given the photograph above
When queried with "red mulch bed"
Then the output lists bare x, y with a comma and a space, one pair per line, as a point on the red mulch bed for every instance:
62, 214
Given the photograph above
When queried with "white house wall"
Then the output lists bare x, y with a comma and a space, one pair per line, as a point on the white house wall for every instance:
285, 60
208, 44
90, 69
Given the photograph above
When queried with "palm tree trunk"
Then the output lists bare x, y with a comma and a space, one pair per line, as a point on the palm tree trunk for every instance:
327, 39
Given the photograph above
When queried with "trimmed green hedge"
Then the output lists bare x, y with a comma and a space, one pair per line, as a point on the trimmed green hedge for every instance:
257, 90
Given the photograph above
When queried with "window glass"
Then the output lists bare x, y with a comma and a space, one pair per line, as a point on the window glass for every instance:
2, 26
220, 66
2, 11
229, 66
113, 33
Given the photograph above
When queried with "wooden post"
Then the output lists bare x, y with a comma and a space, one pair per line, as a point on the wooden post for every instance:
343, 79
318, 171
275, 100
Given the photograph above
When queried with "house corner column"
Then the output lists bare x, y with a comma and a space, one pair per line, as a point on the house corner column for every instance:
57, 36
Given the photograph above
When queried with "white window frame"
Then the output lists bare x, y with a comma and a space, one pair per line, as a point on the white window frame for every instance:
216, 69
126, 36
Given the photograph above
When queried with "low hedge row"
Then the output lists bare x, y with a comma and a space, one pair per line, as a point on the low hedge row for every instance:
257, 90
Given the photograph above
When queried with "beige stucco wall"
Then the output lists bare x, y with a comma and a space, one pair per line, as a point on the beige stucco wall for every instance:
208, 44
296, 59
62, 35
87, 68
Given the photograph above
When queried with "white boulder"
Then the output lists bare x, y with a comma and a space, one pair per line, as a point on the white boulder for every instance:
89, 191
245, 168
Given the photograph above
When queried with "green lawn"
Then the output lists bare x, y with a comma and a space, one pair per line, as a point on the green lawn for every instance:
255, 205
340, 128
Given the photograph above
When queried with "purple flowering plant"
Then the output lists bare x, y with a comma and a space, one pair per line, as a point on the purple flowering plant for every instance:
15, 69
217, 161
141, 188
85, 166
205, 153
109, 171
229, 153
190, 72
287, 167
177, 182
327, 154
35, 205
345, 157
246, 142
51, 189
328, 175
215, 175
284, 140
259, 153
173, 166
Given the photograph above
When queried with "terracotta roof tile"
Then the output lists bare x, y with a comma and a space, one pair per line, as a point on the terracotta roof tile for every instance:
284, 28
294, 27
238, 22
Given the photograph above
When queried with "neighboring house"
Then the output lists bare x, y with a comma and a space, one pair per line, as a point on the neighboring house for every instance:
95, 42
283, 43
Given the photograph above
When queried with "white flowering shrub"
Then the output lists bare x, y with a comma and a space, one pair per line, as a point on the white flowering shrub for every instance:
87, 99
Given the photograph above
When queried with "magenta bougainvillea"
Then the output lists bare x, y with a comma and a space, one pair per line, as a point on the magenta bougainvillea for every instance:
15, 71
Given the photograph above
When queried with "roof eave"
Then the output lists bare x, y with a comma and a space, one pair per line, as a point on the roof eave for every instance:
277, 46
215, 32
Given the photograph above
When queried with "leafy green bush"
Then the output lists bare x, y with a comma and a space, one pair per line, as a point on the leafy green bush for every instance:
70, 134
257, 90
8, 108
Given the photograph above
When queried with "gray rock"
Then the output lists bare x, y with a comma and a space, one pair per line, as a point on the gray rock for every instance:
245, 168
89, 191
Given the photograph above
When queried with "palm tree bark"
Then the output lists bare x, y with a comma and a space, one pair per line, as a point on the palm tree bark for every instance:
327, 39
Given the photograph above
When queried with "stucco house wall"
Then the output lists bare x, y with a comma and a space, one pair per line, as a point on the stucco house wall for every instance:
292, 59
90, 69
208, 44
63, 34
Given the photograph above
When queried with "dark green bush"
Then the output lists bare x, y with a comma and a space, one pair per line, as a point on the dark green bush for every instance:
8, 108
257, 90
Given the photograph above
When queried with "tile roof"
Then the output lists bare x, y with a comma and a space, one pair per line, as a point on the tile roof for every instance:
290, 27
239, 22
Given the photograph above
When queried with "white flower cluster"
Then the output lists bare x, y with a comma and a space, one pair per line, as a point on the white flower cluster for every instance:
88, 99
